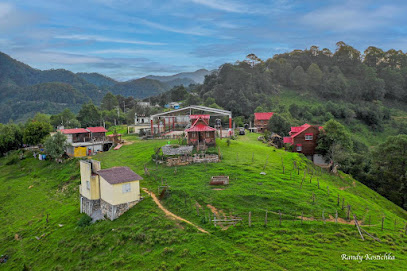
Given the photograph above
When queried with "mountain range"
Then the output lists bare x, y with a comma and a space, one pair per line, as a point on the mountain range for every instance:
25, 90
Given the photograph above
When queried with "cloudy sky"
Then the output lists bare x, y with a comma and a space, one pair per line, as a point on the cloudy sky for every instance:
130, 38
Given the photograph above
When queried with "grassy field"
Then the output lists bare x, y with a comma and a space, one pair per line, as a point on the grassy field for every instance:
145, 239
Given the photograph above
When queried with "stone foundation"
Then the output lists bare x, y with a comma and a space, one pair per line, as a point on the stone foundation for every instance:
89, 206
114, 211
185, 160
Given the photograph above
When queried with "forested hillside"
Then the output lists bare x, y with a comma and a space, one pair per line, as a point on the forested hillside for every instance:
25, 91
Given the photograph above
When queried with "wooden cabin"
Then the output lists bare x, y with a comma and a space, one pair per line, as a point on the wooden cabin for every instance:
200, 133
304, 138
261, 121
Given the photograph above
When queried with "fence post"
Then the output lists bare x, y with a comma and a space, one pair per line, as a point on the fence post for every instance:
348, 214
343, 202
336, 216
302, 215
318, 183
382, 222
338, 200
327, 190
250, 219
265, 220
323, 216
313, 197
280, 216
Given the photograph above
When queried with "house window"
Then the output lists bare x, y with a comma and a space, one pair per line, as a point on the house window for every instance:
88, 185
126, 188
309, 136
299, 147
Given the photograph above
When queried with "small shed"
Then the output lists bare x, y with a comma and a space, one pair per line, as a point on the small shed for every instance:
219, 180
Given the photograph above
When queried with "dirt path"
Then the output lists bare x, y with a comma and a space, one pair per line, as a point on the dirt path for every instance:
169, 214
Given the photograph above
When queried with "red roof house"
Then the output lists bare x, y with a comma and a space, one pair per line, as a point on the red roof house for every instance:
261, 120
200, 132
304, 138
98, 129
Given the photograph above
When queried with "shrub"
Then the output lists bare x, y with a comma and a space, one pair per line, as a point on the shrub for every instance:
84, 221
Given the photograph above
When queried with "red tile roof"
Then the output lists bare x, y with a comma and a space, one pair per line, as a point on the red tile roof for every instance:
116, 175
98, 129
200, 126
263, 116
74, 131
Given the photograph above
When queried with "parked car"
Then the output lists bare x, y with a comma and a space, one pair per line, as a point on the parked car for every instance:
242, 131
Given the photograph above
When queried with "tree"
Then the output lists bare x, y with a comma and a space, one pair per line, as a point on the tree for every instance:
390, 169
66, 118
11, 137
109, 102
55, 145
178, 93
298, 78
40, 117
89, 115
335, 142
314, 75
279, 125
35, 132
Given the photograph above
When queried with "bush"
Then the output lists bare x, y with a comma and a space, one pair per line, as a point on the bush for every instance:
84, 221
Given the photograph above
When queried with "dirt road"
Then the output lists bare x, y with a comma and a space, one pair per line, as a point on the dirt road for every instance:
169, 214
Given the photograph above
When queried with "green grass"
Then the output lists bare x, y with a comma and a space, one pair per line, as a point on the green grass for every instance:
144, 239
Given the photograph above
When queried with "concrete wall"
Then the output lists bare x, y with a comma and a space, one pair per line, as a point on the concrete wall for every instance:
86, 176
113, 194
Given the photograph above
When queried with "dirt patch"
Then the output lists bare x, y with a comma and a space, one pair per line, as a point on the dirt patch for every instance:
218, 189
219, 215
169, 214
346, 187
332, 219
128, 143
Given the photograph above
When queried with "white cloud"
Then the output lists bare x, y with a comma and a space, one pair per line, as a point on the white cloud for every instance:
197, 31
351, 17
223, 5
106, 39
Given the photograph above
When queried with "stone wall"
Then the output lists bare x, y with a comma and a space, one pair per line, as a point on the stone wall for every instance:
196, 158
114, 211
176, 150
89, 206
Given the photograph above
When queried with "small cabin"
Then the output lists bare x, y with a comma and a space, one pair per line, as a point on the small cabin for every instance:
111, 191
303, 138
261, 121
200, 133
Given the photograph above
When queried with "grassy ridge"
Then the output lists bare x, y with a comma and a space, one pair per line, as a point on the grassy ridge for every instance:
144, 239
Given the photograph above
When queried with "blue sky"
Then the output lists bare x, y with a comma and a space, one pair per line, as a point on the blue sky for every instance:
128, 39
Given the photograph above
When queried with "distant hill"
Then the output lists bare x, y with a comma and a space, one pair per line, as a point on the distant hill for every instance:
196, 77
140, 88
97, 79
25, 91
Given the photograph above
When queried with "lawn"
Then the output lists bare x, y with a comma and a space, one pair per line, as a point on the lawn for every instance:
145, 239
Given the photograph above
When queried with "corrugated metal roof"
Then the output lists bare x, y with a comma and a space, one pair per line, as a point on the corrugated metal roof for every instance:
98, 129
74, 131
263, 115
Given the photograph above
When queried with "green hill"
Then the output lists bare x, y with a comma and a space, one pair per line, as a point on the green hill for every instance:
145, 239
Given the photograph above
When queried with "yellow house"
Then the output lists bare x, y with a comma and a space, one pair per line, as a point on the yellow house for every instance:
109, 191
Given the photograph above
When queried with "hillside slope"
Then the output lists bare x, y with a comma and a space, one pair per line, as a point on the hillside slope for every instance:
197, 76
146, 239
